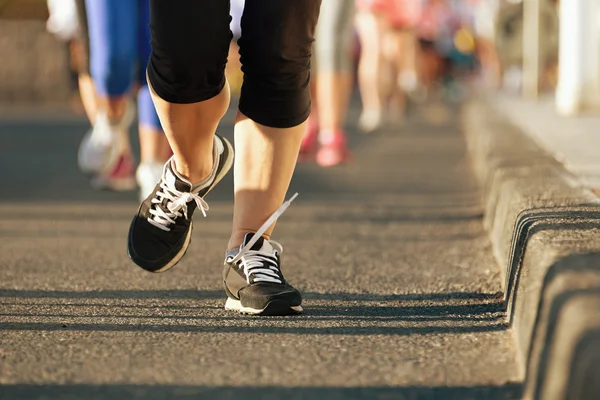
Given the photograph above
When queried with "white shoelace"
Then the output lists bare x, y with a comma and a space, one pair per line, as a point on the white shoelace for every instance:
262, 265
175, 207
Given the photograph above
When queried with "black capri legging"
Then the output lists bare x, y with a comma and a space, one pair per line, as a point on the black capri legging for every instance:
190, 42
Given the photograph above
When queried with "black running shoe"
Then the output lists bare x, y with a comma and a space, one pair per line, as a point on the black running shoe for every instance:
161, 231
253, 279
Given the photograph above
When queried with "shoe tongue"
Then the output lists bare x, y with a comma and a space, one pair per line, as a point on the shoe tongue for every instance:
260, 245
174, 179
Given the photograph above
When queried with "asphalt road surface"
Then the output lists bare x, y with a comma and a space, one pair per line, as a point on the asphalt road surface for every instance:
402, 293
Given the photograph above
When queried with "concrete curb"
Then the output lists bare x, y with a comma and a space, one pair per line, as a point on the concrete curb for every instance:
544, 229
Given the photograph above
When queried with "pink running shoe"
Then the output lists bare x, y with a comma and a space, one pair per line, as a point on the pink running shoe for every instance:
120, 179
334, 150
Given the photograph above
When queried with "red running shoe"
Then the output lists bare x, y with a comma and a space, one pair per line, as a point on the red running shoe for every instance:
121, 178
334, 150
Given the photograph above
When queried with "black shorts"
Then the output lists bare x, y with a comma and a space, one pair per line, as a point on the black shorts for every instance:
190, 43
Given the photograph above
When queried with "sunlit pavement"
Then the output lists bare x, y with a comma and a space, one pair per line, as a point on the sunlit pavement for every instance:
402, 293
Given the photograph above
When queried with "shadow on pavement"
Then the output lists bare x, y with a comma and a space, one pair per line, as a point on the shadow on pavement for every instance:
274, 329
388, 314
113, 294
509, 391
191, 294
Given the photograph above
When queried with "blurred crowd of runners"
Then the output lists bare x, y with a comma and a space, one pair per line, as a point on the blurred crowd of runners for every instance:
395, 52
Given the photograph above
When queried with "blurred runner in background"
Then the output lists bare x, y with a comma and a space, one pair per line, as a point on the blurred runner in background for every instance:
388, 62
68, 21
460, 52
119, 48
331, 84
434, 32
485, 14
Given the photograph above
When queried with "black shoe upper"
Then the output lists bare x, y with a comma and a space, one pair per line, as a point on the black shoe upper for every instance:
158, 235
153, 248
256, 279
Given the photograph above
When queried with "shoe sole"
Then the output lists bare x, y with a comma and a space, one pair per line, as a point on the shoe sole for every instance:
274, 308
188, 239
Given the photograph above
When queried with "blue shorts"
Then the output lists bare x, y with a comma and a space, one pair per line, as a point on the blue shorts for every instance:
119, 40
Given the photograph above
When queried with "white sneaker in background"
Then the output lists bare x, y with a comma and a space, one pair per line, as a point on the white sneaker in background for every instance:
103, 145
120, 178
370, 120
148, 174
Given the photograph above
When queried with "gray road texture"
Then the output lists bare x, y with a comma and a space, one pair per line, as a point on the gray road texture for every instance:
402, 294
